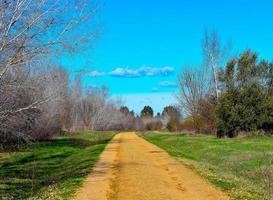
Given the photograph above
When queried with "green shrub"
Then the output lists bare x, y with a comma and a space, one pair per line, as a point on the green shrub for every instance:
246, 103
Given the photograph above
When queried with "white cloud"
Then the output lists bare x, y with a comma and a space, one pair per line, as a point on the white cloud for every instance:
155, 89
134, 73
151, 71
167, 84
96, 74
121, 72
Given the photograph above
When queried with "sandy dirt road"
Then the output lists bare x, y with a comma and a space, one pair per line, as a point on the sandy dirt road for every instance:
131, 168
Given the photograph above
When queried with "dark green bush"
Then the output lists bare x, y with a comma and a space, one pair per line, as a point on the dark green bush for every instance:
245, 103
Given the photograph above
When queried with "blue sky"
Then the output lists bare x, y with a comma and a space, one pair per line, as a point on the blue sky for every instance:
143, 44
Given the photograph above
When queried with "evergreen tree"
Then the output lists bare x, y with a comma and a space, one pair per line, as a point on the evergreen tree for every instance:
147, 111
246, 100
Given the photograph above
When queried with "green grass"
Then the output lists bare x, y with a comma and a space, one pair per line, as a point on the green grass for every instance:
240, 166
51, 169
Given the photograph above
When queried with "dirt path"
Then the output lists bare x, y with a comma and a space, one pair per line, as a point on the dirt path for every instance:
131, 168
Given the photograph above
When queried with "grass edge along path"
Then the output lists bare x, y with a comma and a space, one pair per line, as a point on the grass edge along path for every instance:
242, 167
52, 169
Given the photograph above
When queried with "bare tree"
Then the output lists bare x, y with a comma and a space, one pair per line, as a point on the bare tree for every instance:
52, 112
214, 55
94, 109
32, 34
193, 86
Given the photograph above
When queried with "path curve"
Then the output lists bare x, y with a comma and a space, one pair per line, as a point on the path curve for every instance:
130, 168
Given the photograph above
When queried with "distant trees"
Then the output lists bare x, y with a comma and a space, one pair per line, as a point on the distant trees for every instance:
147, 111
130, 122
149, 122
93, 109
124, 110
169, 119
172, 112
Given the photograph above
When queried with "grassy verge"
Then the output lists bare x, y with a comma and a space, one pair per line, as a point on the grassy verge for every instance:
243, 167
51, 169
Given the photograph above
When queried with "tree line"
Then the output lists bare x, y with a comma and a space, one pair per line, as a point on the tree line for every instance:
148, 120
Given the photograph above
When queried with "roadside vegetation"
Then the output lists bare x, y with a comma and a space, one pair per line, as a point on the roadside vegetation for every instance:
242, 166
51, 169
